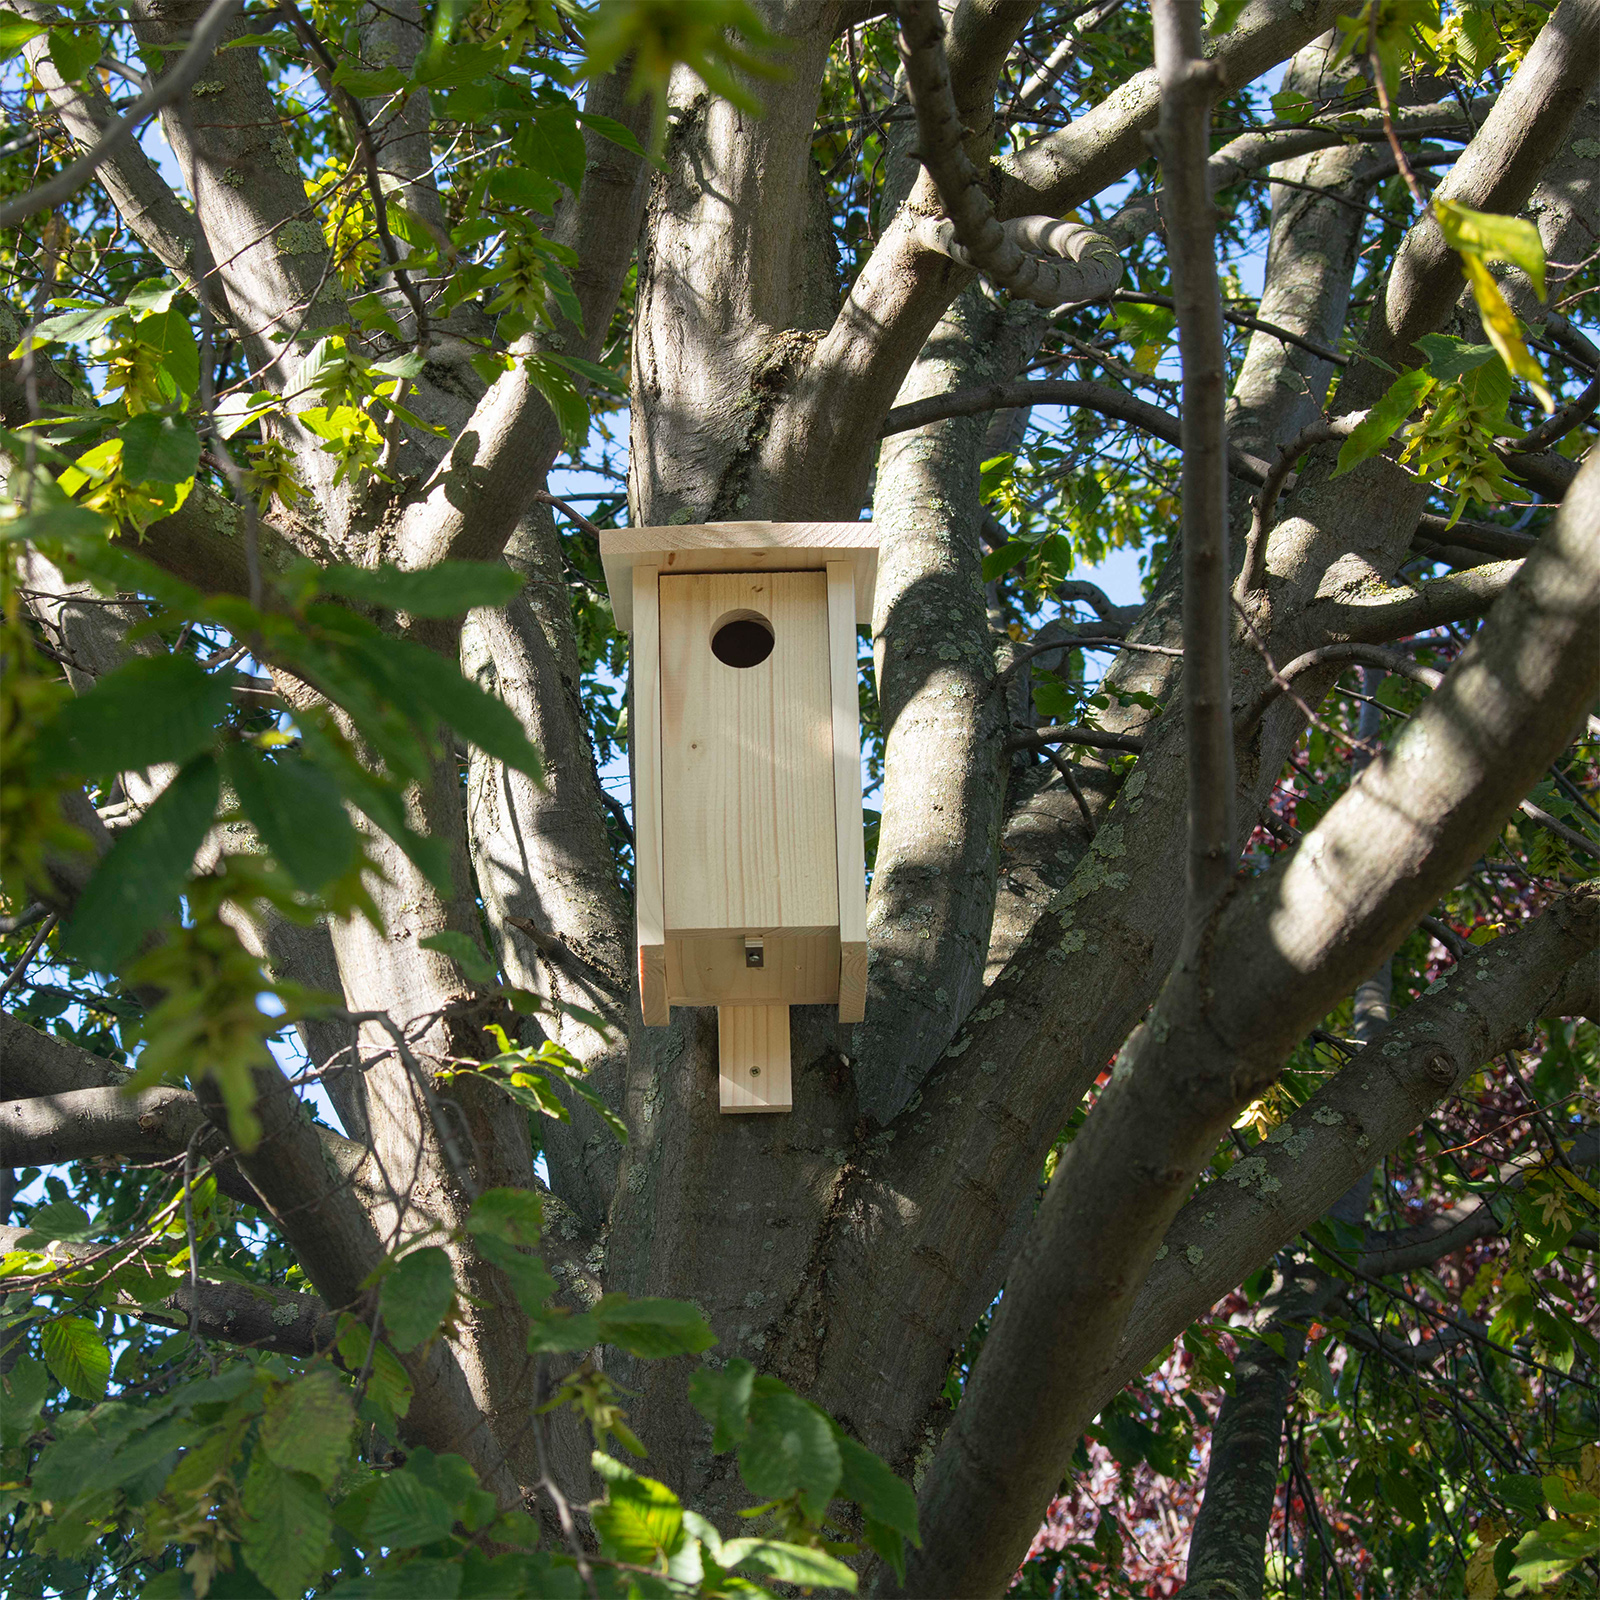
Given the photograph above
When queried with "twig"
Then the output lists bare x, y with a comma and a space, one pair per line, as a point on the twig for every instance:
1371, 655
1072, 642
194, 1245
1189, 83
544, 498
15, 976
23, 919
1064, 767
208, 32
1322, 431
569, 1528
1241, 319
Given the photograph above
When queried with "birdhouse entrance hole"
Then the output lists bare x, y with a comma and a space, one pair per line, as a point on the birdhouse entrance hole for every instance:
742, 639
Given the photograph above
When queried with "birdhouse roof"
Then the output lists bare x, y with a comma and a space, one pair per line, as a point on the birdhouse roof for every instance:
738, 547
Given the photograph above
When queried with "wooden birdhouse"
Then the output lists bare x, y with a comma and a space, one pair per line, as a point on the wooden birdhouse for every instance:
748, 865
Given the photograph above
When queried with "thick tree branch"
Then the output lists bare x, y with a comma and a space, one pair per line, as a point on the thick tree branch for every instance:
1189, 83
1276, 957
141, 195
260, 1316
1085, 264
202, 44
1496, 172
1231, 1227
1375, 615
1062, 170
499, 460
1072, 733
1227, 1546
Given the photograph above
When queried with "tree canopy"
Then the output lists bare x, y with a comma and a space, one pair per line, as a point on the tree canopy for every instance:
1206, 1204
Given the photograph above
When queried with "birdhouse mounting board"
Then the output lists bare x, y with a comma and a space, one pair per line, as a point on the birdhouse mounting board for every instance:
749, 866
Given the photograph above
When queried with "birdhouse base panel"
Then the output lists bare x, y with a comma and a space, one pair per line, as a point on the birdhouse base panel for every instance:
753, 1059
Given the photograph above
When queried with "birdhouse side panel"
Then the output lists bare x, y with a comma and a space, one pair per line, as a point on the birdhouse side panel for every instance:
747, 773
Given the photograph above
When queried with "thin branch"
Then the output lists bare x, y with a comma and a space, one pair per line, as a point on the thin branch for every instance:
1117, 404
1064, 767
1559, 423
1253, 572
1071, 642
207, 34
1189, 83
1241, 319
1073, 733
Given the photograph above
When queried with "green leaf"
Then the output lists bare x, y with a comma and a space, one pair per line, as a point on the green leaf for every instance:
77, 1356
405, 1513
523, 188
295, 807
287, 1526
883, 1497
421, 678
169, 334
387, 1385
722, 1396
514, 1215
640, 1520
475, 966
1376, 429
15, 32
450, 589
156, 709
82, 323
1492, 237
607, 128
1449, 358
1223, 15
417, 1292
135, 886
306, 1427
74, 51
1550, 1551
368, 85
653, 1329
159, 449
788, 1563
1011, 554
530, 1282
59, 1219
790, 1448
555, 384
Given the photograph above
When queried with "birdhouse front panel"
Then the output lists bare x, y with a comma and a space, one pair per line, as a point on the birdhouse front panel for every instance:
747, 754
748, 865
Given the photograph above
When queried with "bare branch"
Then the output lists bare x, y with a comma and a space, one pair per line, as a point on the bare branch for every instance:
1095, 738
207, 35
1253, 572
1084, 265
1117, 404
1394, 613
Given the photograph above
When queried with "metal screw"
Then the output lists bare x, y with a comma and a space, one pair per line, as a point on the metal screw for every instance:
755, 1072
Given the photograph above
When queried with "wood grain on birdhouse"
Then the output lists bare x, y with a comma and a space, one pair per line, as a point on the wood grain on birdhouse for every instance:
744, 731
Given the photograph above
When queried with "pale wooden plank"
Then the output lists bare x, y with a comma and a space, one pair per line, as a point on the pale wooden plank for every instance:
746, 770
753, 1059
800, 969
645, 660
849, 848
739, 547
